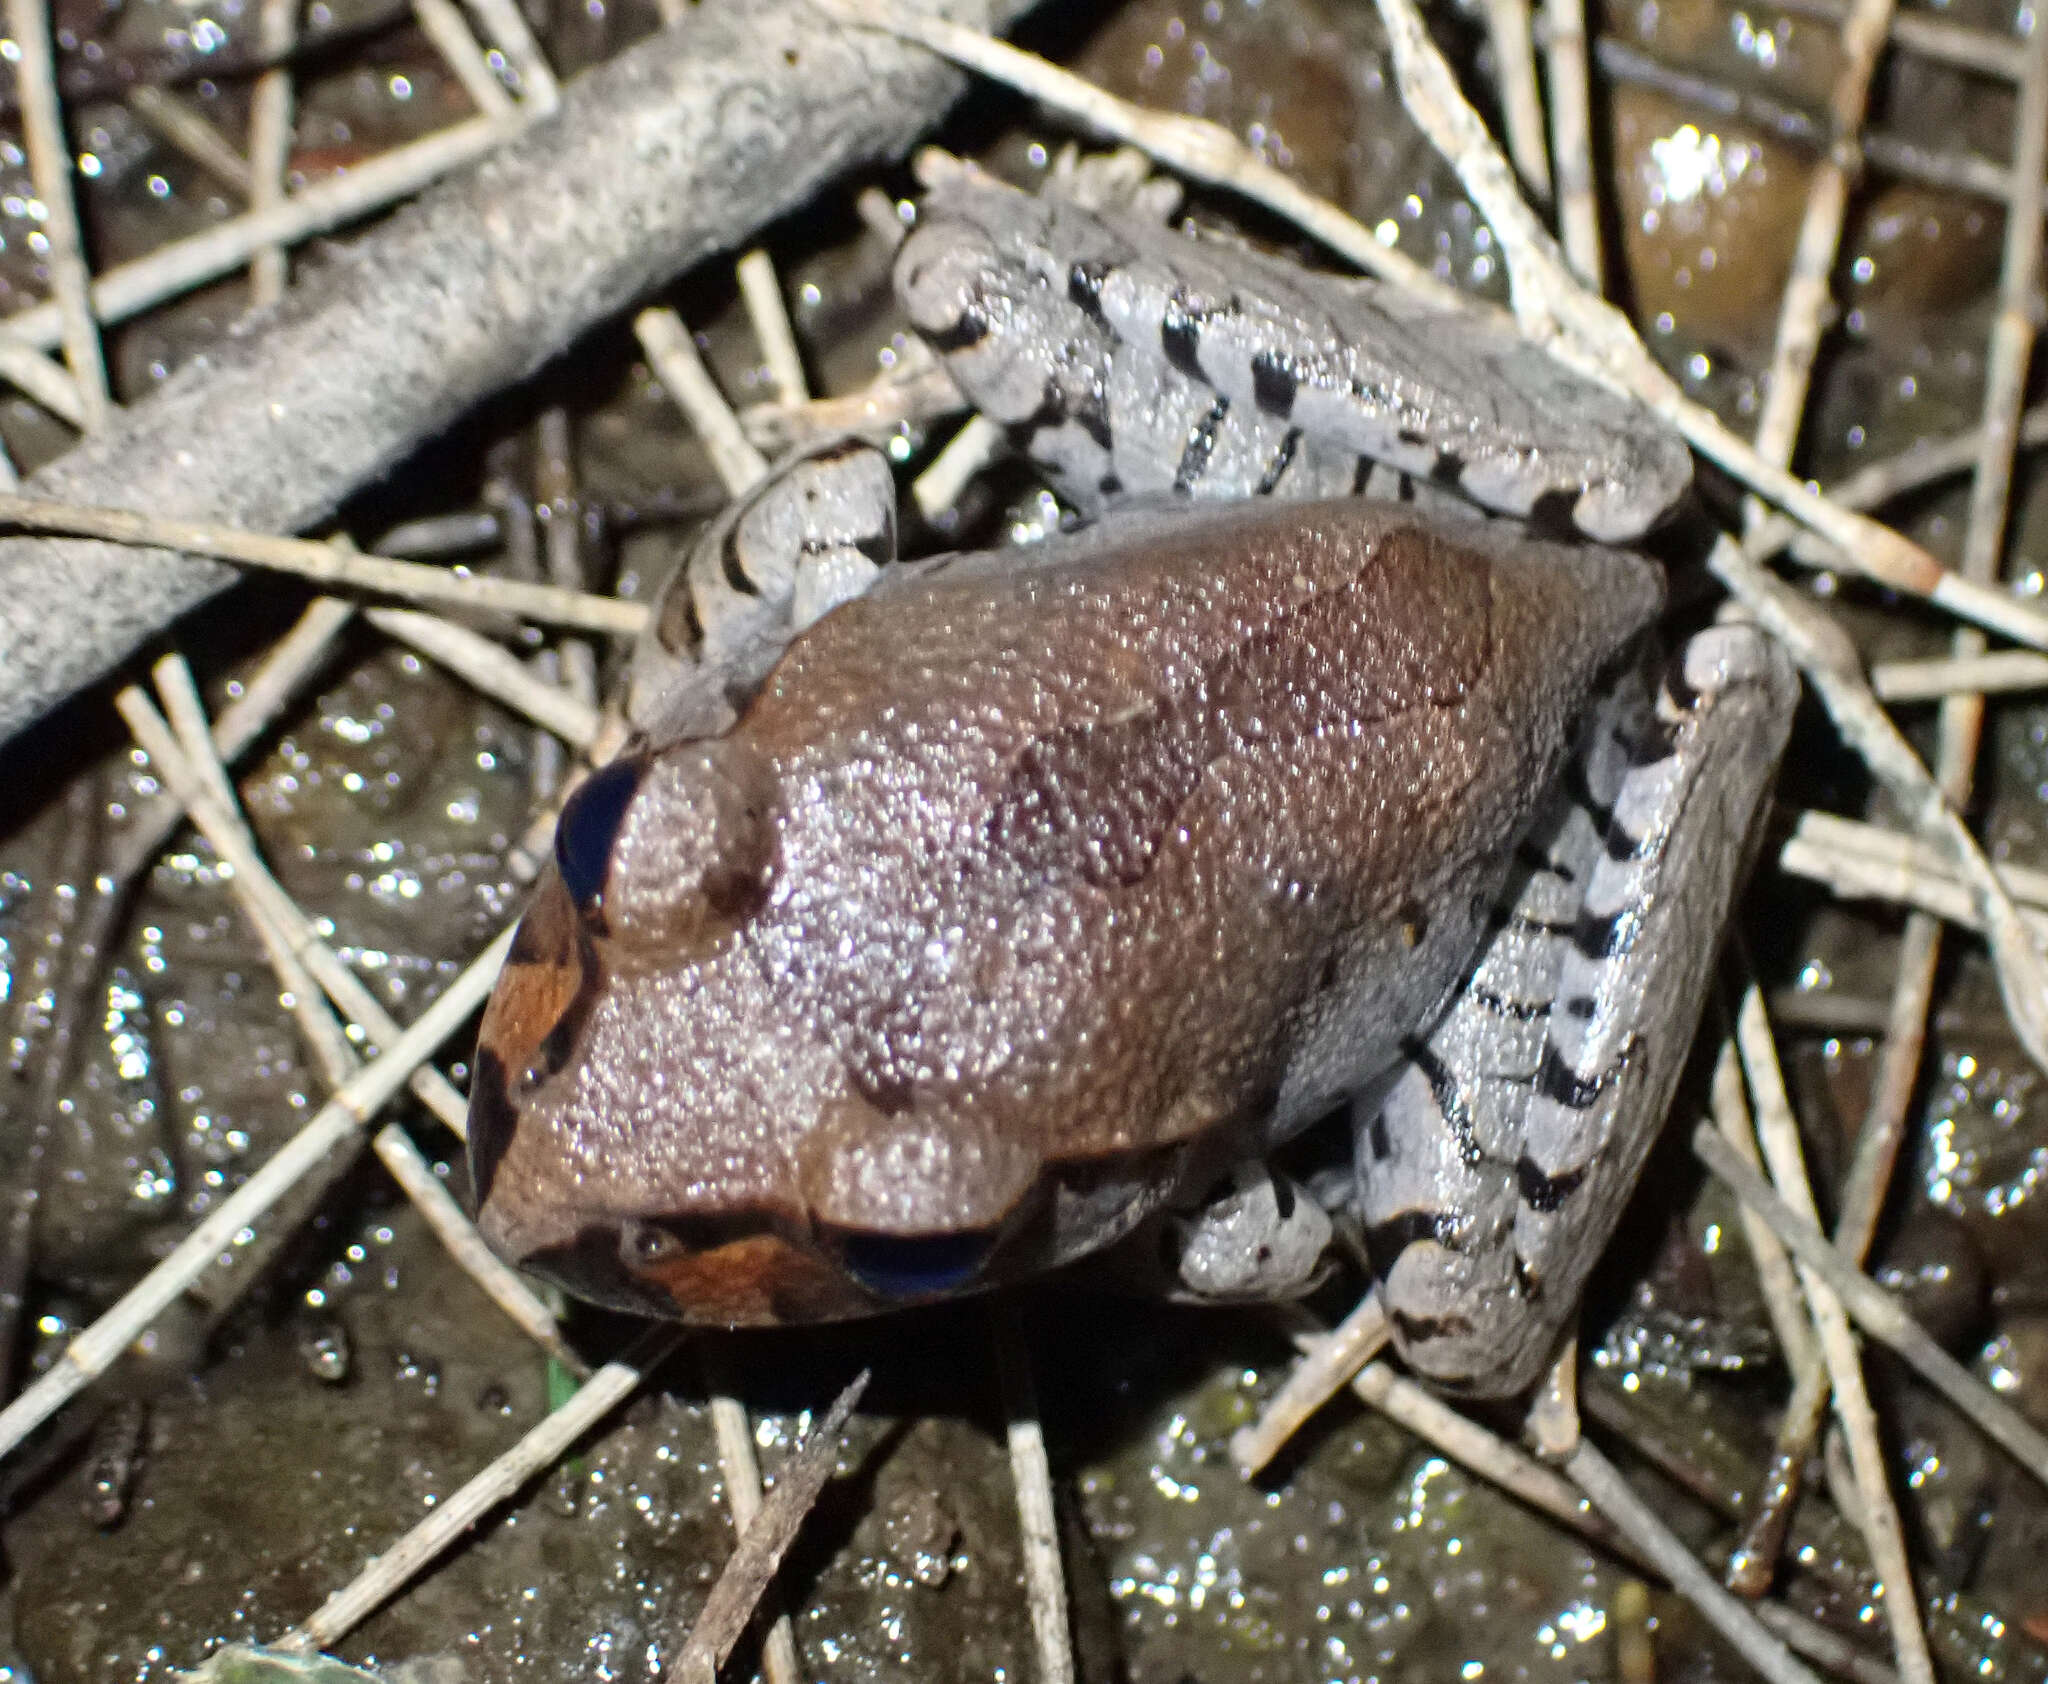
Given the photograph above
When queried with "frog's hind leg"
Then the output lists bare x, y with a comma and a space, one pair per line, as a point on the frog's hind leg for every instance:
1493, 1172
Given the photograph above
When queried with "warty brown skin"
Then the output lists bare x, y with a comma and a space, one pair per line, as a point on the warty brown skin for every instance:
1025, 884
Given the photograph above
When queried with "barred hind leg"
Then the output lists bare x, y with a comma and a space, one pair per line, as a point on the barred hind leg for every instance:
1494, 1171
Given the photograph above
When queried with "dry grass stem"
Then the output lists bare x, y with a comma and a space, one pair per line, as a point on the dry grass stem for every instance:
768, 315
1851, 838
1948, 675
492, 670
1830, 663
1883, 1535
1805, 309
353, 1104
50, 167
741, 1471
751, 1567
928, 395
294, 657
1988, 52
131, 288
270, 142
1617, 1501
1380, 1386
504, 25
970, 450
1509, 29
1191, 145
49, 383
1876, 1312
442, 23
330, 564
1324, 1370
182, 125
191, 768
219, 822
1045, 1579
1783, 1301
1571, 138
672, 354
543, 1445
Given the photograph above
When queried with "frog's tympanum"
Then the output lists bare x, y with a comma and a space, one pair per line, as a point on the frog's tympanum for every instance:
1032, 893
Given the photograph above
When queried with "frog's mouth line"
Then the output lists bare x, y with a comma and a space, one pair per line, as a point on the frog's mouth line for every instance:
770, 1268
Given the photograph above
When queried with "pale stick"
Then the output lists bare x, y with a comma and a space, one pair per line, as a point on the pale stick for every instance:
741, 1470
354, 1103
1571, 138
130, 288
493, 670
1883, 1131
1778, 1133
275, 909
543, 1445
442, 23
1554, 311
1379, 1386
49, 163
1783, 1301
1323, 1372
1876, 1312
296, 655
49, 383
967, 453
330, 565
673, 356
1045, 1580
1617, 1501
926, 396
761, 293
750, 1568
1830, 663
1191, 145
504, 25
192, 133
1947, 675
1514, 61
285, 933
1831, 834
1806, 307
270, 142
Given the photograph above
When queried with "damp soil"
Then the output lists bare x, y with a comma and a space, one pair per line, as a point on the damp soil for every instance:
338, 1375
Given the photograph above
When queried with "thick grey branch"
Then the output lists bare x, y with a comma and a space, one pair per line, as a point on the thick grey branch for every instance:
677, 149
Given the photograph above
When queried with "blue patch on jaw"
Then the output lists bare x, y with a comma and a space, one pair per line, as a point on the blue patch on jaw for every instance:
590, 825
926, 1266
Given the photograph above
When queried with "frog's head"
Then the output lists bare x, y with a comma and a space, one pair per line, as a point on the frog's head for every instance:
654, 1127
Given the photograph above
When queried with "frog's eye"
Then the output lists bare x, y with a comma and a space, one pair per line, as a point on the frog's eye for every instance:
923, 1266
642, 1244
590, 825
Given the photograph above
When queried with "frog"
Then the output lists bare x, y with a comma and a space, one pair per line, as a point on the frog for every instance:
952, 921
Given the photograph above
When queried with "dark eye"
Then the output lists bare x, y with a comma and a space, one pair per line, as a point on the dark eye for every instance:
590, 825
921, 1267
643, 1243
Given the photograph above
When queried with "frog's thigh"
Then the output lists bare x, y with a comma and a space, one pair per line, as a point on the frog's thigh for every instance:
1477, 1280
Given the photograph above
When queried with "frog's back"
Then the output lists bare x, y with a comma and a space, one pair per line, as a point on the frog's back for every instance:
1080, 855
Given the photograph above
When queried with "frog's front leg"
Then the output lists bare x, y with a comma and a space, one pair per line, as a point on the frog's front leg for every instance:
1493, 1172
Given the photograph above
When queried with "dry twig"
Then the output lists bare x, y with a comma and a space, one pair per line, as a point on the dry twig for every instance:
1045, 1580
762, 1546
540, 1449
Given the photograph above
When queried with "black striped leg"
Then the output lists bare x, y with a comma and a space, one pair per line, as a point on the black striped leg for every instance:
1493, 1175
